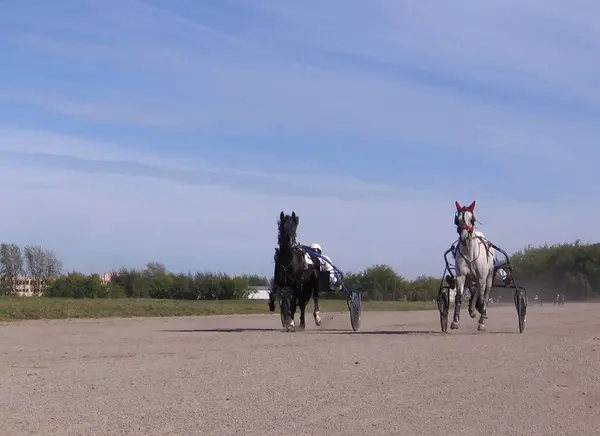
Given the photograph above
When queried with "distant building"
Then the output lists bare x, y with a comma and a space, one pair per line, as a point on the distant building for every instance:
105, 278
25, 285
258, 292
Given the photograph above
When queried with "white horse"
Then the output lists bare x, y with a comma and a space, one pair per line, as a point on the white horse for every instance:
474, 266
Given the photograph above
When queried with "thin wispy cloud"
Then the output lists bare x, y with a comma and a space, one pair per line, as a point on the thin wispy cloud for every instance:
184, 128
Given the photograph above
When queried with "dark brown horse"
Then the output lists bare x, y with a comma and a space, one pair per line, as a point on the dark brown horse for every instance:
296, 276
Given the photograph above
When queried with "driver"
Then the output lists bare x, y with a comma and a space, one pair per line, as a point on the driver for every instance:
326, 265
503, 274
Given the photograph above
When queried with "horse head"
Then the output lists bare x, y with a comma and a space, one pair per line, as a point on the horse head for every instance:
465, 221
288, 228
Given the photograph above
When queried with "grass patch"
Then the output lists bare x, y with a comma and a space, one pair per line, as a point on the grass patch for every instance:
59, 308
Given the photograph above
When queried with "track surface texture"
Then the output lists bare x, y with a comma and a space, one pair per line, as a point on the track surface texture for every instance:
398, 376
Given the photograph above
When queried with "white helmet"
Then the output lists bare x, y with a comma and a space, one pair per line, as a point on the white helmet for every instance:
315, 247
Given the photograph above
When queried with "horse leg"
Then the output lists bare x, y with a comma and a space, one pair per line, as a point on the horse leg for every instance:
288, 303
303, 300
485, 286
292, 326
316, 312
460, 286
475, 296
272, 296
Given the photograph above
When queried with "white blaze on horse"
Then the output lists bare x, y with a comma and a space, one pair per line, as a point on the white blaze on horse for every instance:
474, 260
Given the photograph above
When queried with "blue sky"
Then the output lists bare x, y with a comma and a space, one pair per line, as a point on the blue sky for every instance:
177, 130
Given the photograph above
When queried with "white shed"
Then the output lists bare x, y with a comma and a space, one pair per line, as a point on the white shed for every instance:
259, 293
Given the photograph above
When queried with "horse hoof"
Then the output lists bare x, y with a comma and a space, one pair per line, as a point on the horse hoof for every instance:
291, 327
472, 314
302, 327
318, 320
454, 325
481, 327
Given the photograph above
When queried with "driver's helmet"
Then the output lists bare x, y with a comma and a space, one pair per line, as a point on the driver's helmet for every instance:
316, 248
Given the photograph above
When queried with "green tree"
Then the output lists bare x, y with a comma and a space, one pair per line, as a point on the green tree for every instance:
423, 288
76, 285
42, 265
11, 267
161, 286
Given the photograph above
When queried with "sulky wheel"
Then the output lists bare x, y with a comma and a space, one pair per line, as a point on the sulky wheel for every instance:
443, 303
521, 306
355, 307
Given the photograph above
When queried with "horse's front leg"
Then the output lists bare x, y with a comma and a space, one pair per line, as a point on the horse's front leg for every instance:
316, 312
460, 286
293, 309
485, 285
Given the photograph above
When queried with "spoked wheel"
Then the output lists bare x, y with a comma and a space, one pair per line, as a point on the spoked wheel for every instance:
521, 306
355, 307
443, 303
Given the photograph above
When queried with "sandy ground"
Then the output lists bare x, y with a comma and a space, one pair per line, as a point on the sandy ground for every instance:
399, 376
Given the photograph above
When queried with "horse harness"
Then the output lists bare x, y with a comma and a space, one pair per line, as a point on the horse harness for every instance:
298, 248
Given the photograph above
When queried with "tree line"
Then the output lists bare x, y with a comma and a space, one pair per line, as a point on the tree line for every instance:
570, 268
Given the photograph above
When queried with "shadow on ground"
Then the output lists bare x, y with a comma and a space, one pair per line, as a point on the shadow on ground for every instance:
314, 332
336, 332
221, 330
376, 332
490, 333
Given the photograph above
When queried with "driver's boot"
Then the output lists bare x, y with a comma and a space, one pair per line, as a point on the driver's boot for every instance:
336, 287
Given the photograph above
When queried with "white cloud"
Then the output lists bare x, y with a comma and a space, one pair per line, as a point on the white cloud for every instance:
99, 220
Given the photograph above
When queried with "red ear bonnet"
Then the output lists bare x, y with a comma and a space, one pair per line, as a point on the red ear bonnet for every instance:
458, 206
472, 206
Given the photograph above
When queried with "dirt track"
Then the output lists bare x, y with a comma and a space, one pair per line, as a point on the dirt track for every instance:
398, 377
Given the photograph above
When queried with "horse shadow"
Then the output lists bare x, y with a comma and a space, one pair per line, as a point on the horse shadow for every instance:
220, 330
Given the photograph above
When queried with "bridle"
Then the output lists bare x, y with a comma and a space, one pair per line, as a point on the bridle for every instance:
460, 226
470, 228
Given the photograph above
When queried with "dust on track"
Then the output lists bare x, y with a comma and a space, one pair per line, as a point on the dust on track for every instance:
398, 376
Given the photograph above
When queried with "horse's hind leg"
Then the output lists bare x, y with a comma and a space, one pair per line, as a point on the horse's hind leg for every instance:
316, 312
303, 302
473, 301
